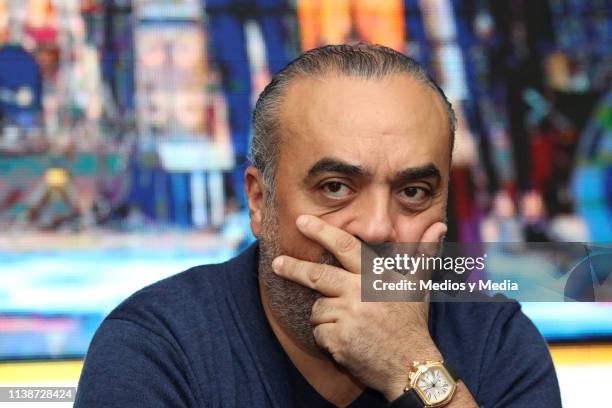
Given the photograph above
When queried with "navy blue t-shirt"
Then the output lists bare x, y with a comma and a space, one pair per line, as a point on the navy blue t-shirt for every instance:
201, 339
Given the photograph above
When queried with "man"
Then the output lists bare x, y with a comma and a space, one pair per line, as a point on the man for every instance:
351, 143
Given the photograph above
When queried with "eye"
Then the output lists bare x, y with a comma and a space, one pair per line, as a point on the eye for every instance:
415, 195
336, 190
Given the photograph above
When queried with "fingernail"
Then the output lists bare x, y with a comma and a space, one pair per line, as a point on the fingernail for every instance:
277, 264
302, 221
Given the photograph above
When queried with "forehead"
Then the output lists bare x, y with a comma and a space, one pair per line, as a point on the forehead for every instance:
391, 122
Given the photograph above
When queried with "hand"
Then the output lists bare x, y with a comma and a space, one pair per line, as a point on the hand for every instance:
378, 341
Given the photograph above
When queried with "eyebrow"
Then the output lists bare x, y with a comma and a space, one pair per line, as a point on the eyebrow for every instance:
428, 170
334, 165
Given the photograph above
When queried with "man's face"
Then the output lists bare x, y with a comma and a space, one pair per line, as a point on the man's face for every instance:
369, 156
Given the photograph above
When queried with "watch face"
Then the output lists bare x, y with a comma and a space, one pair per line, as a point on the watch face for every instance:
434, 385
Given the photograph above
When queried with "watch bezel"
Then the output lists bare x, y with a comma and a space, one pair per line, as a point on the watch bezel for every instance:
420, 370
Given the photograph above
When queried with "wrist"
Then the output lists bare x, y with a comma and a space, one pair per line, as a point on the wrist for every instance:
399, 378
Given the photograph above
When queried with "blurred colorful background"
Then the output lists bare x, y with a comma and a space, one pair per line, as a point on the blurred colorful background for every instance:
124, 129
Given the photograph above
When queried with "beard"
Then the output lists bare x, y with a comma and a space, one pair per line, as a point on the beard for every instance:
290, 302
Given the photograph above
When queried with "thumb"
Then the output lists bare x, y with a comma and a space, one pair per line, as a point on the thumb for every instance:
431, 238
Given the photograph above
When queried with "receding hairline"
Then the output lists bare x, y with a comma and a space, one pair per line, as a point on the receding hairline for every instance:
332, 73
367, 61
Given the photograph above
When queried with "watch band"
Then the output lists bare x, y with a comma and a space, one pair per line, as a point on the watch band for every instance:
409, 399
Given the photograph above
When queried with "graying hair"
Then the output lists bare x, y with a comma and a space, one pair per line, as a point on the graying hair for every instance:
361, 60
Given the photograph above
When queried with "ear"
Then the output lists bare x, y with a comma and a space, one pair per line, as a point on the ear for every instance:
255, 193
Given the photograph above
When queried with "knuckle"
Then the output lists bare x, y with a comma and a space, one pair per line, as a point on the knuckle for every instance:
353, 310
320, 339
316, 332
337, 355
334, 348
346, 243
344, 339
317, 308
316, 273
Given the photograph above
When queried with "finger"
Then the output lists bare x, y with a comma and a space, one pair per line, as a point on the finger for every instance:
435, 232
431, 238
344, 246
326, 310
323, 335
325, 279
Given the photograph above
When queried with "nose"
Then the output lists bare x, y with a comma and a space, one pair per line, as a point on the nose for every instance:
373, 221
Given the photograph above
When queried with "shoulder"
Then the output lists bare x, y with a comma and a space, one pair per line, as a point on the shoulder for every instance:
145, 344
170, 341
195, 298
172, 292
184, 287
169, 306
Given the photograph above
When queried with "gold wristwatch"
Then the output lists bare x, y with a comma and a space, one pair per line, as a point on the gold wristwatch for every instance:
430, 384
